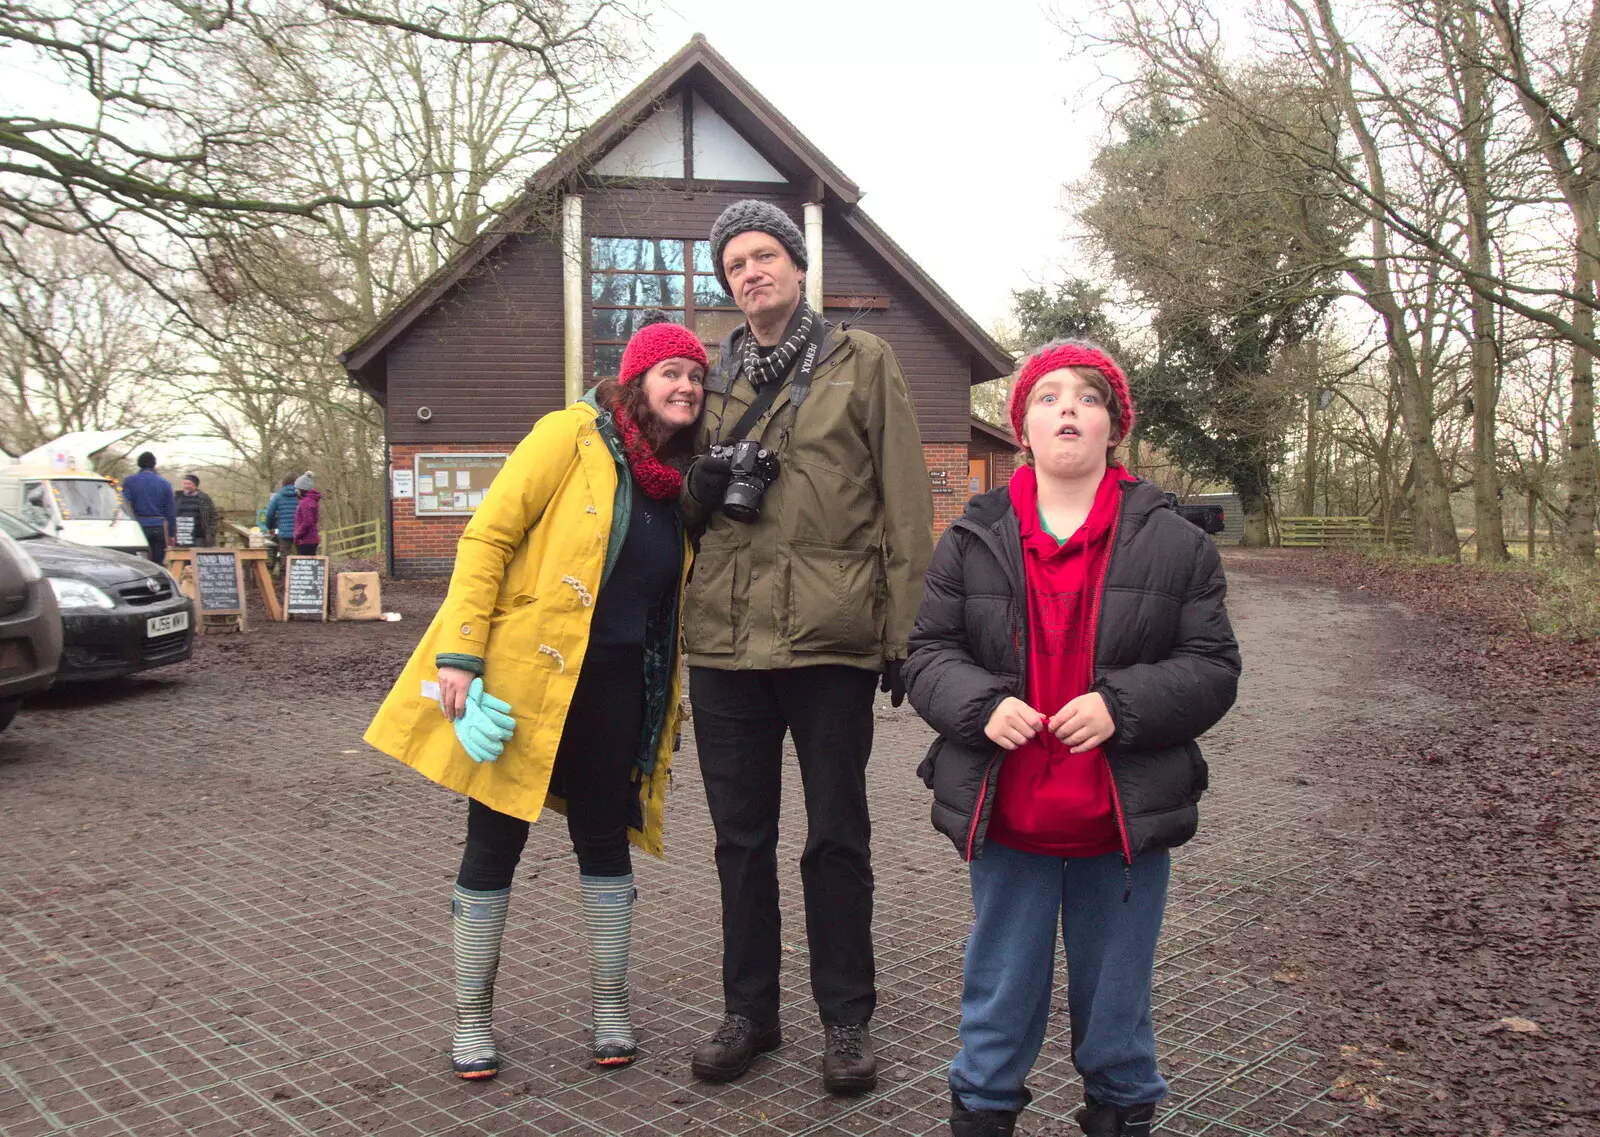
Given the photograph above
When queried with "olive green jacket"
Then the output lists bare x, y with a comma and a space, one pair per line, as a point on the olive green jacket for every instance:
832, 572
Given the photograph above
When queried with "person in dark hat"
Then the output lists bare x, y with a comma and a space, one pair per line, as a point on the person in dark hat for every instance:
196, 504
817, 529
150, 500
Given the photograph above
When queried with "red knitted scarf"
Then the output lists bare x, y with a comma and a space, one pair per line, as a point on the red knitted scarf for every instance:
658, 480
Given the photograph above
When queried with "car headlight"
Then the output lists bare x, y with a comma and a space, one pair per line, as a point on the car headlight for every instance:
79, 594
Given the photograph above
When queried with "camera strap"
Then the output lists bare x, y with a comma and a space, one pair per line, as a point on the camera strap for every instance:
799, 387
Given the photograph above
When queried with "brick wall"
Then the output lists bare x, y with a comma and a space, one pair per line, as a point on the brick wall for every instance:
426, 546
947, 467
1004, 465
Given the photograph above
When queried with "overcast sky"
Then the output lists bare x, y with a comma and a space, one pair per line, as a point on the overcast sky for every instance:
960, 124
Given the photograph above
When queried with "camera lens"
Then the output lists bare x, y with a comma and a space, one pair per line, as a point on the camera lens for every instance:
743, 501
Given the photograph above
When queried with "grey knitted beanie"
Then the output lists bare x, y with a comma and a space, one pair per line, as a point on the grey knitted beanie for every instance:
305, 482
761, 217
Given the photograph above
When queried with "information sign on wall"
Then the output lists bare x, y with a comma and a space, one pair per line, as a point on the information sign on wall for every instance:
453, 485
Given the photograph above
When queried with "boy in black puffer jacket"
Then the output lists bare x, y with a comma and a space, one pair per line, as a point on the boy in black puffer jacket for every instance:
1072, 643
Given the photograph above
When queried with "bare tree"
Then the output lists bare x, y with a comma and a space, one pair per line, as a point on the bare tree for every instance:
1559, 91
157, 156
81, 347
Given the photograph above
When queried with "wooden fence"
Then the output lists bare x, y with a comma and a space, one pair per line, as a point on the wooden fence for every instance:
1339, 532
363, 540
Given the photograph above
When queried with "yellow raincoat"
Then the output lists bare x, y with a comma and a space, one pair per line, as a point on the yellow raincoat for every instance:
528, 568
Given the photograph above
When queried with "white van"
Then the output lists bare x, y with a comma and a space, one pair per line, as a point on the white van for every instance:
54, 489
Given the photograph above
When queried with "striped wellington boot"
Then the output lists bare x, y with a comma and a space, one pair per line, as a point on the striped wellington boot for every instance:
478, 923
608, 916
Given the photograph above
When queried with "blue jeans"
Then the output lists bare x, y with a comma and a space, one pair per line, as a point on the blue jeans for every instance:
1010, 969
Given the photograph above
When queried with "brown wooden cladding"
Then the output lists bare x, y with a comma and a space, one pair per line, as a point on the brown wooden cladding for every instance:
487, 360
933, 357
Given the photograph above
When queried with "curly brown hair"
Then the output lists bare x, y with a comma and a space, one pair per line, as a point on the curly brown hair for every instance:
674, 447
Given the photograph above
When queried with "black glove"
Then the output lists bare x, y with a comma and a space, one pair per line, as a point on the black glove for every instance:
708, 480
892, 681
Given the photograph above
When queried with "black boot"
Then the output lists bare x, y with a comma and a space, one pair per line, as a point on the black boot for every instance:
848, 1064
1098, 1119
966, 1122
730, 1050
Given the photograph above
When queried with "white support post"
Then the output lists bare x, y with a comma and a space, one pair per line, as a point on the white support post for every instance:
814, 255
572, 291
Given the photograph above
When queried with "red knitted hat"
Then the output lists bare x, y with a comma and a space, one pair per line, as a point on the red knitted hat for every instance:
655, 342
1070, 355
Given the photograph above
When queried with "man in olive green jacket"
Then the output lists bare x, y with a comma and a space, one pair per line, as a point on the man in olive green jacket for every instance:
804, 592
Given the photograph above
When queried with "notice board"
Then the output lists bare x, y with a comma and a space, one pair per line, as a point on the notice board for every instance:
453, 485
219, 582
305, 587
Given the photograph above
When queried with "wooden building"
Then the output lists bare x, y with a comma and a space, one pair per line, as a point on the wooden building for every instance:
537, 309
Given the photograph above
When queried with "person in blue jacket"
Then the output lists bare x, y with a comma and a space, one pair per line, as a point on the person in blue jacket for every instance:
150, 500
279, 523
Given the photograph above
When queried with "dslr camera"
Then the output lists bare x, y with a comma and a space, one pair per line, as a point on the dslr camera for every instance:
753, 467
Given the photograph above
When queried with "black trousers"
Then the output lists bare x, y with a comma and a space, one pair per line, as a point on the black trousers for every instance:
739, 722
593, 771
156, 537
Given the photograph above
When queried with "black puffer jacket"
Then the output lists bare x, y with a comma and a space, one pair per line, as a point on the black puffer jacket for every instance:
1165, 659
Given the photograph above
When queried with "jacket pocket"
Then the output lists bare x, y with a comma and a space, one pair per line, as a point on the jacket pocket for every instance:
834, 598
925, 770
708, 601
1200, 773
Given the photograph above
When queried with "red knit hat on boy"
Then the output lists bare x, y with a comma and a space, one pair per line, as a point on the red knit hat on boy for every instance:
658, 340
1070, 355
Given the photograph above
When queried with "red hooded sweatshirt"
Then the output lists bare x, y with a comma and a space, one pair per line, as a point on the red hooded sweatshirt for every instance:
1049, 800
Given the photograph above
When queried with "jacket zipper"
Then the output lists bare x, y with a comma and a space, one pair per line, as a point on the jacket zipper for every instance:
1094, 647
977, 812
1018, 645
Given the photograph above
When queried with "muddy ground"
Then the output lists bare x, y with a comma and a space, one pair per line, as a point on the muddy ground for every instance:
1455, 987
1448, 976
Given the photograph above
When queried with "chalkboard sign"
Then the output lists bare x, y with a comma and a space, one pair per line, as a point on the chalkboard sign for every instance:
305, 587
185, 530
219, 581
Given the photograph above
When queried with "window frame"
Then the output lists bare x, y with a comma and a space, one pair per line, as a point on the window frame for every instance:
686, 276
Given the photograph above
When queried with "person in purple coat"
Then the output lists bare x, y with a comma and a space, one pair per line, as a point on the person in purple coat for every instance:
307, 517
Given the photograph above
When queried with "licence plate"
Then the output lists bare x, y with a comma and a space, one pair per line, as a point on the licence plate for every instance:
163, 625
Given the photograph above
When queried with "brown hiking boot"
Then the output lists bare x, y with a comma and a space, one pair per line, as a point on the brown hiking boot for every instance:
848, 1065
734, 1045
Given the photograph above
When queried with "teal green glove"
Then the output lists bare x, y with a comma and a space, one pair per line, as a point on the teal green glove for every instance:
485, 726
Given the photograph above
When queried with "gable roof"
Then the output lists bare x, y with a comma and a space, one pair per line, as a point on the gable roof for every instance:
728, 93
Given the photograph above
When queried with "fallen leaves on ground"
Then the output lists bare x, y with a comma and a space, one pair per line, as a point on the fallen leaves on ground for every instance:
1466, 961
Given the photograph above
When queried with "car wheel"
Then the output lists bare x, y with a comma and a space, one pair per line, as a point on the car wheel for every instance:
8, 711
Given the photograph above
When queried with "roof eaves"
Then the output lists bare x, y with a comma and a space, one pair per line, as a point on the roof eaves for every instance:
634, 106
785, 131
983, 345
360, 354
983, 426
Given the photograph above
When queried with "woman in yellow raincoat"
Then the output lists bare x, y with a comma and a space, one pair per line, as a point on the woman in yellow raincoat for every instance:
564, 604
